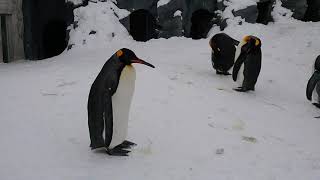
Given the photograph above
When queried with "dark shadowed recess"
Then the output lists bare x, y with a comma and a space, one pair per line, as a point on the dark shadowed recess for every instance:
201, 23
313, 11
45, 27
142, 25
264, 12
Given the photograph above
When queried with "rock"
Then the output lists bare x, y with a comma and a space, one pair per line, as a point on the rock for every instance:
298, 7
171, 25
250, 14
313, 11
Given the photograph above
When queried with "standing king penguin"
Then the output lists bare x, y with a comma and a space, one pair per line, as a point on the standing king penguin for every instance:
109, 103
313, 87
223, 51
248, 63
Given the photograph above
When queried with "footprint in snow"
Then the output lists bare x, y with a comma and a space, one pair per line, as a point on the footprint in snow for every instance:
249, 139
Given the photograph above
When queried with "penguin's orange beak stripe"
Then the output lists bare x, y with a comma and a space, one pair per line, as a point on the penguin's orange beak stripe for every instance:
140, 61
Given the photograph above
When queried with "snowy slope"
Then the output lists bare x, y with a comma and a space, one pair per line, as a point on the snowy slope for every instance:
182, 113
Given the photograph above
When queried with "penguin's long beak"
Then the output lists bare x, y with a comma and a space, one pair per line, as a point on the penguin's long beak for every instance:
140, 61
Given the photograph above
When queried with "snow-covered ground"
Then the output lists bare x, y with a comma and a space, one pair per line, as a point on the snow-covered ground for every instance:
183, 115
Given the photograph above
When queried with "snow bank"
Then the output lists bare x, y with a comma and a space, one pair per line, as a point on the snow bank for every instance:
163, 2
97, 25
75, 2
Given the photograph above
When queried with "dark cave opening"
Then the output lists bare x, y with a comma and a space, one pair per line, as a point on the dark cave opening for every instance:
201, 23
142, 25
264, 12
45, 27
54, 38
313, 11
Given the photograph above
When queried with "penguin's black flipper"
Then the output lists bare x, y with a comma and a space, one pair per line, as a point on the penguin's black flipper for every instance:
95, 118
108, 117
312, 84
117, 151
237, 66
235, 42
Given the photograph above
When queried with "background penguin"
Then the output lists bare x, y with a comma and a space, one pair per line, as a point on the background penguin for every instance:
313, 87
109, 103
223, 52
248, 63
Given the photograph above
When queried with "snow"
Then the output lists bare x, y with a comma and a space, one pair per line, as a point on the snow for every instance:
99, 17
75, 2
177, 13
187, 121
162, 2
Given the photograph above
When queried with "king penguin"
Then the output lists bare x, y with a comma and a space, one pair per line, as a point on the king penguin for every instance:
223, 51
248, 63
313, 87
109, 103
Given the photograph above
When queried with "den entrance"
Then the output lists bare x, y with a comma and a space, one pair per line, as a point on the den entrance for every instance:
201, 23
142, 25
45, 24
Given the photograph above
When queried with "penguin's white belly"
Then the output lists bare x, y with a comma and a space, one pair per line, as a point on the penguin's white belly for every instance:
121, 101
240, 76
315, 97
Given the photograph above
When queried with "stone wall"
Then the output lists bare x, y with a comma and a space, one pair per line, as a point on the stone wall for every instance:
16, 32
14, 24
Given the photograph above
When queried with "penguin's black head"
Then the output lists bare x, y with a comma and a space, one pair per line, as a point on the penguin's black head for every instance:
251, 44
317, 64
127, 57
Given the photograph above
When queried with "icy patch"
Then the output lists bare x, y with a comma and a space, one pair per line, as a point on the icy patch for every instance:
75, 2
177, 13
163, 2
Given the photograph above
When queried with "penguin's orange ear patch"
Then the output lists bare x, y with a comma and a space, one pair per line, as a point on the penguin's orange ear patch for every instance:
257, 42
119, 53
246, 38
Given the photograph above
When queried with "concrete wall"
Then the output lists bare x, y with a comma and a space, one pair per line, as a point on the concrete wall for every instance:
14, 23
16, 28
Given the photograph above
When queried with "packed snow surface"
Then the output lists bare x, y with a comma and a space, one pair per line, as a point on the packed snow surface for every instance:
187, 121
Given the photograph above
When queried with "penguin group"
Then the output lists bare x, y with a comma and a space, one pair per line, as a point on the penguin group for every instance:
111, 92
244, 56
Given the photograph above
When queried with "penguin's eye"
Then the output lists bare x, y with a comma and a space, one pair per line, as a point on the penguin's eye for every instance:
119, 53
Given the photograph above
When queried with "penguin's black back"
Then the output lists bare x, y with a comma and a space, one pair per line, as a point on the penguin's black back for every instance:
252, 68
223, 59
100, 117
317, 63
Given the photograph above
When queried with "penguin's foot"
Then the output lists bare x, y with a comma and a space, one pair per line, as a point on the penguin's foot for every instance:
316, 104
97, 144
223, 73
243, 89
117, 151
126, 145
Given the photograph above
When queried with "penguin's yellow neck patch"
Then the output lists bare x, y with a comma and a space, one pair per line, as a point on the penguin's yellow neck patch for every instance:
248, 38
257, 42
